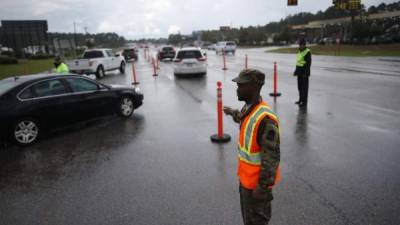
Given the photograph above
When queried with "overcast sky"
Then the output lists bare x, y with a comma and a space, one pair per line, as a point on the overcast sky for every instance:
156, 18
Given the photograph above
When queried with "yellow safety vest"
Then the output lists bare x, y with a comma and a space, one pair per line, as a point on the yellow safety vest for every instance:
61, 69
300, 57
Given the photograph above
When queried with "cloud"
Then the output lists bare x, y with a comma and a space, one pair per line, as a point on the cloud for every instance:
173, 29
154, 18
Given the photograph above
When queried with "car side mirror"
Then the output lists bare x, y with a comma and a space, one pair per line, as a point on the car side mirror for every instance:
117, 55
205, 53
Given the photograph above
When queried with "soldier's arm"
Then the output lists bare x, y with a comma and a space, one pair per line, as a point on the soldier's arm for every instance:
236, 115
269, 140
307, 66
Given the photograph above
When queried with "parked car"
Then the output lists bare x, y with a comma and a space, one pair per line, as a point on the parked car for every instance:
32, 104
166, 52
190, 60
225, 47
130, 53
97, 61
211, 47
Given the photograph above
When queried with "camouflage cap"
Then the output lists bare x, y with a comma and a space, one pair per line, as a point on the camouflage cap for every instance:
250, 76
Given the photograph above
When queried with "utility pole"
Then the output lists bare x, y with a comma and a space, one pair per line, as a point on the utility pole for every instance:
75, 38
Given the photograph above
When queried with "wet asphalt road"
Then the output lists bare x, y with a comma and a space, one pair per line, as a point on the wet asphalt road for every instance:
340, 157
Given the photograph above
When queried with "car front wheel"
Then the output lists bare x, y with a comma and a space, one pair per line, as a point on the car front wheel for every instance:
25, 131
122, 68
99, 72
126, 107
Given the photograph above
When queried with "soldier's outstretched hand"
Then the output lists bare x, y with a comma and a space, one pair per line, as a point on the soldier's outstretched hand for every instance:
228, 110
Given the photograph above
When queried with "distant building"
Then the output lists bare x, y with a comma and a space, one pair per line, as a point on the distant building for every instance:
24, 36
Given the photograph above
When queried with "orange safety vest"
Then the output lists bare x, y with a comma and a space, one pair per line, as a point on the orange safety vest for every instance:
249, 150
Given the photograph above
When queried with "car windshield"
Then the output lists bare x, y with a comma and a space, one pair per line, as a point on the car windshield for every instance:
6, 85
230, 43
92, 54
129, 50
189, 55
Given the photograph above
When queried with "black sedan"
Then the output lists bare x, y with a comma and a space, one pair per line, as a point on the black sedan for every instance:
31, 104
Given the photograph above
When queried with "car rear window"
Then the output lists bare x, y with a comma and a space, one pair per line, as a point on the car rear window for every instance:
27, 94
230, 43
92, 54
49, 88
129, 50
168, 49
189, 55
8, 84
82, 85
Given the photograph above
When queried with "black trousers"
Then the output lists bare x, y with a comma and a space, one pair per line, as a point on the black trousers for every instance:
302, 85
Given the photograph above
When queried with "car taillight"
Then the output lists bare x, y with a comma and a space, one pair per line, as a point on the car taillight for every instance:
177, 60
201, 59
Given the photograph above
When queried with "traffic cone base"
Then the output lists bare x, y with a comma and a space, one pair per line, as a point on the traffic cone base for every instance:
223, 139
275, 94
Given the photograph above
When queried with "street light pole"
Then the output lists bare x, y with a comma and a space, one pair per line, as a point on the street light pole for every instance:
75, 38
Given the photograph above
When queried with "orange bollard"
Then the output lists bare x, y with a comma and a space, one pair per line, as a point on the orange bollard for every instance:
135, 82
245, 63
220, 137
275, 93
154, 67
223, 55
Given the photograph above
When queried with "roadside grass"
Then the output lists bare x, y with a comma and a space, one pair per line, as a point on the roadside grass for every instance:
249, 46
348, 50
25, 67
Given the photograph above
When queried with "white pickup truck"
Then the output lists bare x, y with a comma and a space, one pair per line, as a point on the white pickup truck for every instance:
97, 61
225, 47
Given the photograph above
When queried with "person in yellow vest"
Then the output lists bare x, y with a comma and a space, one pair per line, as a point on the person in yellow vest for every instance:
59, 66
258, 148
303, 66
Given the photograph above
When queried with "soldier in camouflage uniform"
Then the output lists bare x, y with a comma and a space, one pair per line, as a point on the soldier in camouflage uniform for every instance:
256, 202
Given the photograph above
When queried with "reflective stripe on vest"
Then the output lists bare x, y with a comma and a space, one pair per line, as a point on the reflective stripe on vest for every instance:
300, 57
249, 137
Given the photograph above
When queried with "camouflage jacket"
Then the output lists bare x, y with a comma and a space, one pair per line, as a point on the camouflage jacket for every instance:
269, 140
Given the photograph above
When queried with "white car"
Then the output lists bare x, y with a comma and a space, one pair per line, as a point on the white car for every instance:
97, 61
190, 60
211, 47
225, 47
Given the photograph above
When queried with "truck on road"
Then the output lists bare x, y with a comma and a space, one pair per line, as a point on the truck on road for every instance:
224, 47
97, 61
